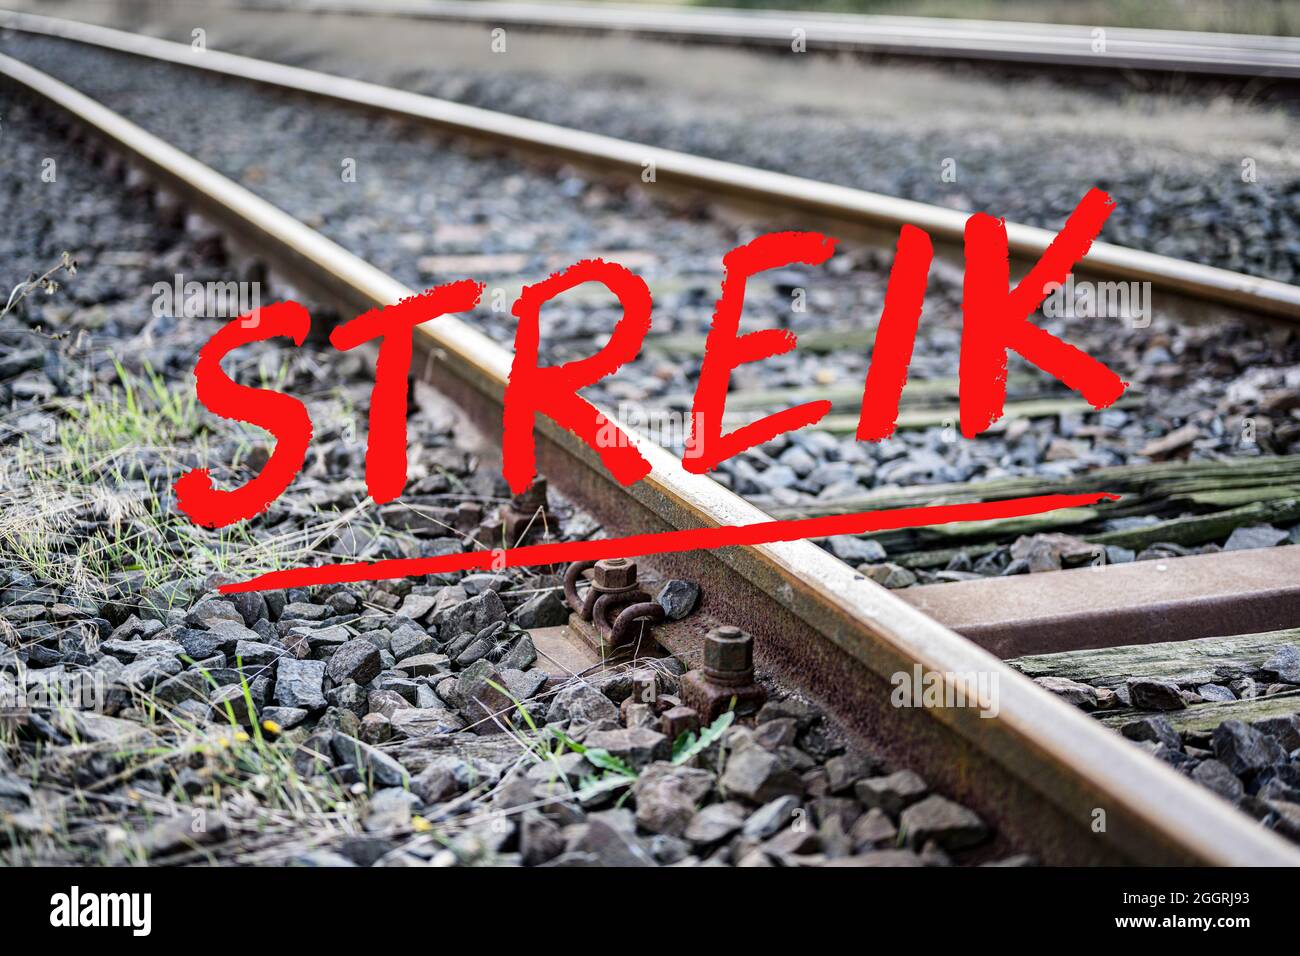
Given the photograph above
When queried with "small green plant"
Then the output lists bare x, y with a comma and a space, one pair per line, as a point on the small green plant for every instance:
144, 412
597, 756
687, 745
86, 465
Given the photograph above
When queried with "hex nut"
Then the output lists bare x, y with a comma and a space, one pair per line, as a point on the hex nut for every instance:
728, 650
614, 574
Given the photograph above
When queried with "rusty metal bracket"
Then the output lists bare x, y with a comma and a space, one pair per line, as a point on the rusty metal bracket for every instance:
572, 574
621, 631
613, 605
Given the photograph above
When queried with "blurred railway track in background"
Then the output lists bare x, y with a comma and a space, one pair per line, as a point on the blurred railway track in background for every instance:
1040, 44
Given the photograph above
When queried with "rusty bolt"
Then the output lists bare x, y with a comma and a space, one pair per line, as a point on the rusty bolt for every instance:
728, 653
526, 514
727, 678
532, 499
469, 514
673, 723
614, 574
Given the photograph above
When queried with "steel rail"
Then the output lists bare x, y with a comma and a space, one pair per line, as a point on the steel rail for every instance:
1144, 602
1038, 770
1108, 48
774, 194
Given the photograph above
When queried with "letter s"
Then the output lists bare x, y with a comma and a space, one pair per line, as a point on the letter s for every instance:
283, 416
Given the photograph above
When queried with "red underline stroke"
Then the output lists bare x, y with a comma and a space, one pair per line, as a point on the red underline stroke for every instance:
690, 539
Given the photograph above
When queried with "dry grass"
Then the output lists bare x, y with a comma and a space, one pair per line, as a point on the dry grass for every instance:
169, 790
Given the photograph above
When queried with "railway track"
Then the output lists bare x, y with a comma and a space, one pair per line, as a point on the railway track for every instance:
1040, 44
777, 195
1038, 770
833, 127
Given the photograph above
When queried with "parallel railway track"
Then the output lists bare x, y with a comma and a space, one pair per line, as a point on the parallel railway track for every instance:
1041, 44
774, 195
1038, 770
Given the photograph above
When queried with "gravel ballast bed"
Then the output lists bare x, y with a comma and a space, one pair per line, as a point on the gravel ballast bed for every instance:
1225, 712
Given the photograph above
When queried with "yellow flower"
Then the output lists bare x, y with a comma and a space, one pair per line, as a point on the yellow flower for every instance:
242, 737
420, 825
271, 727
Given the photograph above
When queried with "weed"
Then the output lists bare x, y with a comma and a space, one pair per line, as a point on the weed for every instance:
687, 745
45, 282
